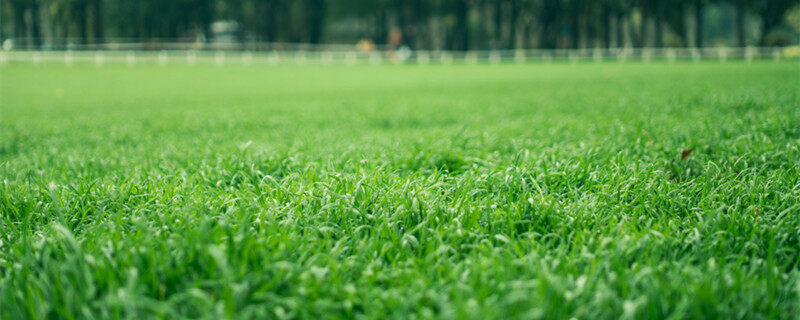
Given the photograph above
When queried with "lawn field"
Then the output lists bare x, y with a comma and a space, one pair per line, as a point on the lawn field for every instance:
588, 191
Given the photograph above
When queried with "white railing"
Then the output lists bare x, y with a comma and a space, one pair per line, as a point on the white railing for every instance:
349, 56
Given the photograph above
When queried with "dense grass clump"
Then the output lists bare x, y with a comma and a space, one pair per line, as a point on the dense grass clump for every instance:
596, 191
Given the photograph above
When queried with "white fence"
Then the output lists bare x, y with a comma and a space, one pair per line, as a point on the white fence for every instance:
355, 57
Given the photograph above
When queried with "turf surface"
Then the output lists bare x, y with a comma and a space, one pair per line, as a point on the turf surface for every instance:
472, 192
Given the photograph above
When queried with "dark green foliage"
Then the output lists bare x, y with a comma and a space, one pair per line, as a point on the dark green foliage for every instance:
424, 24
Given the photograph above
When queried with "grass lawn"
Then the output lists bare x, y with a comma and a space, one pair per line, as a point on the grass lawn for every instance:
466, 192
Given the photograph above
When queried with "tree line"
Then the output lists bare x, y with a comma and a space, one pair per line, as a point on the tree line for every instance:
429, 24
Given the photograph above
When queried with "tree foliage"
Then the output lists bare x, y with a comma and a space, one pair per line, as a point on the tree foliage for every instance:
432, 24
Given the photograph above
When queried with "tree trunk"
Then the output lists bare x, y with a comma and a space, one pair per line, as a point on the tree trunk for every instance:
642, 32
29, 17
315, 12
659, 32
98, 21
620, 30
461, 32
513, 21
698, 16
45, 24
498, 25
677, 22
18, 27
740, 35
269, 25
772, 16
83, 31
575, 34
609, 28
627, 31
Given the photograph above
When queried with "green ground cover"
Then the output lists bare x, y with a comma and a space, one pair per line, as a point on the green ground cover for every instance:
473, 192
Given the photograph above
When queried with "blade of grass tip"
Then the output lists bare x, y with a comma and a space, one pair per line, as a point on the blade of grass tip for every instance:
783, 213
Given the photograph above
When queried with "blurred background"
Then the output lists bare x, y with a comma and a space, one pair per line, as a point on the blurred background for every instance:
456, 25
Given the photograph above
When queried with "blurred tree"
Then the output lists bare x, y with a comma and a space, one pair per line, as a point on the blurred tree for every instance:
698, 6
742, 6
439, 24
772, 13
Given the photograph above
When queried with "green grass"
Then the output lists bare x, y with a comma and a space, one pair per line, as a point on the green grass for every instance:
467, 192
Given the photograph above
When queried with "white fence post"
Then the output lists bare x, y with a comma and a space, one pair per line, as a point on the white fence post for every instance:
671, 55
191, 57
445, 58
274, 58
520, 57
573, 57
423, 58
99, 58
351, 58
219, 58
494, 57
247, 58
300, 58
471, 58
326, 58
163, 58
375, 58
748, 54
68, 58
130, 59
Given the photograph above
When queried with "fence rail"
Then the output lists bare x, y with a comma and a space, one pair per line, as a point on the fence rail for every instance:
354, 57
